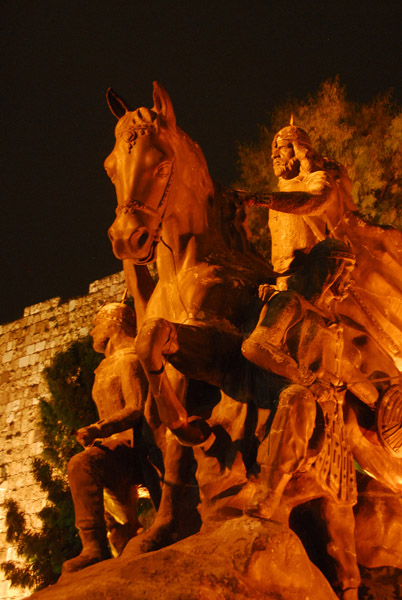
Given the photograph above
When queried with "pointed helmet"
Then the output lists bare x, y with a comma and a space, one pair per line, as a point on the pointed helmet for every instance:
292, 133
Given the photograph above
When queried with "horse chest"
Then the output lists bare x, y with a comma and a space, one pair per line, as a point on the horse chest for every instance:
204, 293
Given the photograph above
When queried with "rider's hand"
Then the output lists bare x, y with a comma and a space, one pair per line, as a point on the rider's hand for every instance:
87, 435
265, 291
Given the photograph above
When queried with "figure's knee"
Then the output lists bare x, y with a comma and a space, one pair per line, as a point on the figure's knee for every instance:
84, 464
253, 348
298, 398
295, 392
76, 466
248, 349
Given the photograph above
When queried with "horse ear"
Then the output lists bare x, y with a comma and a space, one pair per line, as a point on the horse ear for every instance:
117, 105
162, 104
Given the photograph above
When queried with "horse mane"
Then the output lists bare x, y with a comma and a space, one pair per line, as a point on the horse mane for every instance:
196, 172
227, 209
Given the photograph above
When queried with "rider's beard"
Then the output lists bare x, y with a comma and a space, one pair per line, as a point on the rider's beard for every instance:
340, 290
287, 169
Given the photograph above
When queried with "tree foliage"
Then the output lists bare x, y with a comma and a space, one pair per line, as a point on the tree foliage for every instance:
70, 378
365, 138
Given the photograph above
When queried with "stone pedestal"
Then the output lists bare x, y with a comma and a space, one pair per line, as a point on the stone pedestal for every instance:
241, 559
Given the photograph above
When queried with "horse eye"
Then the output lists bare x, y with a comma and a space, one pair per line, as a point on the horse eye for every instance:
129, 136
162, 170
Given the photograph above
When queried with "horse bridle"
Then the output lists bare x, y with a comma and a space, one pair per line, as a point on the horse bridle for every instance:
131, 206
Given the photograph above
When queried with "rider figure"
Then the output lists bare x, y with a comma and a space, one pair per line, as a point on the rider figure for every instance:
314, 202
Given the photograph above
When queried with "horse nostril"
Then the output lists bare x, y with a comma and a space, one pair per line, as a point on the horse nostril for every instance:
110, 234
142, 240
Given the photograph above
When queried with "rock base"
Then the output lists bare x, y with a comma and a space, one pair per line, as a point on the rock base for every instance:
241, 559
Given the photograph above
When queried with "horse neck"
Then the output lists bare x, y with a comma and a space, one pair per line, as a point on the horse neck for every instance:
185, 236
200, 219
189, 208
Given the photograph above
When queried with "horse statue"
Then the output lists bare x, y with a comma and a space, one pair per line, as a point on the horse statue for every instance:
206, 297
203, 306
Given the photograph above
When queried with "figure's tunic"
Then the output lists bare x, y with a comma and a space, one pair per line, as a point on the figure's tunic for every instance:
112, 376
315, 342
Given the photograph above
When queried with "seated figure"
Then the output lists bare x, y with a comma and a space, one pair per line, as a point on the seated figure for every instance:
104, 477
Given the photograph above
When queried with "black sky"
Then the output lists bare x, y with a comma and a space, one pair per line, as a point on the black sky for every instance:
225, 64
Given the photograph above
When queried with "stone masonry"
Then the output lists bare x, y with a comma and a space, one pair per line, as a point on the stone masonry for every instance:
26, 347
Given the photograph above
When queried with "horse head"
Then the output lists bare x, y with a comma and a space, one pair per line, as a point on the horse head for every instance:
150, 149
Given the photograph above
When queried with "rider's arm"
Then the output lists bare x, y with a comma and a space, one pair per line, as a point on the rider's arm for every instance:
307, 197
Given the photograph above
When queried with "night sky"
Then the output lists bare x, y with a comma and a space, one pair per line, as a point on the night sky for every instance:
225, 64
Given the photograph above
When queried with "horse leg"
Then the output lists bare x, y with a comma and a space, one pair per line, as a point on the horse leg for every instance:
156, 340
177, 516
178, 496
340, 525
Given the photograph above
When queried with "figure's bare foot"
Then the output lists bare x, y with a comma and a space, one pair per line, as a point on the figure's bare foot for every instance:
266, 493
262, 502
261, 506
155, 538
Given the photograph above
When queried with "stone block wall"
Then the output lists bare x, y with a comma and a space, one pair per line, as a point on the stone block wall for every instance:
26, 347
